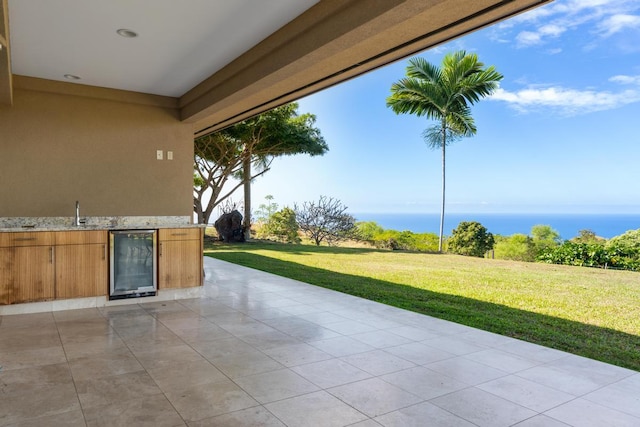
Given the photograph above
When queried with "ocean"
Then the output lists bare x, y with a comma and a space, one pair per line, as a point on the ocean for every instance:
567, 225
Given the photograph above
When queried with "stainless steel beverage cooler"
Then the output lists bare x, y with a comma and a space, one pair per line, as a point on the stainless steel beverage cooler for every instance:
132, 263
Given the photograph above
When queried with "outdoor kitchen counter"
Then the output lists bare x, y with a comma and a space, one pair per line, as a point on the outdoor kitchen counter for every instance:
29, 228
60, 261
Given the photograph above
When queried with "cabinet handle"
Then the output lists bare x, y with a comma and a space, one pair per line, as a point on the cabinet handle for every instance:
160, 249
104, 252
51, 255
24, 239
178, 234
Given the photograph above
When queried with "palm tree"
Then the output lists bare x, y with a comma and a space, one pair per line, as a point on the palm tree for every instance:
444, 94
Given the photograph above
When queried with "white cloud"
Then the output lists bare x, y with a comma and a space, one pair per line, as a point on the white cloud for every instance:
598, 18
633, 80
567, 101
617, 23
552, 30
528, 38
579, 5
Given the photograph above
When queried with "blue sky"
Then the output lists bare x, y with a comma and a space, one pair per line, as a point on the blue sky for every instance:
559, 136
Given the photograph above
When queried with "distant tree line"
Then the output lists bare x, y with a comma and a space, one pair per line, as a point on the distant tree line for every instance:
327, 221
620, 252
396, 240
544, 244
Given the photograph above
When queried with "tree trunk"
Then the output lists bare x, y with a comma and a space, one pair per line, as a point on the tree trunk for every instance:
206, 216
204, 213
246, 181
444, 145
197, 208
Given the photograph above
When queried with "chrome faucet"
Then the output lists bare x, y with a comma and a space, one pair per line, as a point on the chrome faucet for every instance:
77, 213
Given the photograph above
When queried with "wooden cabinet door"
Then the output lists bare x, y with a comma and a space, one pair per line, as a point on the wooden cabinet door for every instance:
179, 264
33, 268
81, 271
6, 276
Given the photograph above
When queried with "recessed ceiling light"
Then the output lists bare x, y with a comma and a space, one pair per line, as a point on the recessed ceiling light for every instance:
127, 33
71, 77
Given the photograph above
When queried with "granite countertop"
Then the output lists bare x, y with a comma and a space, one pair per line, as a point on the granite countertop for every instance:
25, 224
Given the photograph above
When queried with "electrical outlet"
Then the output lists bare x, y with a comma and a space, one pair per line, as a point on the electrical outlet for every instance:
159, 154
169, 155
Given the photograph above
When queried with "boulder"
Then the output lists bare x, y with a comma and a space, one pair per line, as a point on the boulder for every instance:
229, 227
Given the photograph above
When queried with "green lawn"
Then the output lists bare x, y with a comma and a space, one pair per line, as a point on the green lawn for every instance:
590, 312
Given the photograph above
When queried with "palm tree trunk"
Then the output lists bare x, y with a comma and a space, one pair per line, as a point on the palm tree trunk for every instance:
444, 145
246, 178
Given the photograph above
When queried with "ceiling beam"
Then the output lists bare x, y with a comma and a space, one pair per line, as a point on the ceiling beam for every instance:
6, 87
331, 42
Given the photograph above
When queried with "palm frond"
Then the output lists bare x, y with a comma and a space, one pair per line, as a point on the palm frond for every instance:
444, 93
419, 68
434, 135
414, 96
462, 122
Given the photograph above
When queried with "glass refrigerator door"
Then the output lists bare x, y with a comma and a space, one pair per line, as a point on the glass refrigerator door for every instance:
133, 262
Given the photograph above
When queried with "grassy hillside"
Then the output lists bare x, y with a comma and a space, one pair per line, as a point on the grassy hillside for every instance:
590, 312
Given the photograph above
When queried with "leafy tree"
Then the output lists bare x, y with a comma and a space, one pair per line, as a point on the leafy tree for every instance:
368, 230
282, 225
265, 210
253, 143
470, 238
587, 236
325, 220
628, 242
216, 162
624, 250
444, 94
517, 247
543, 237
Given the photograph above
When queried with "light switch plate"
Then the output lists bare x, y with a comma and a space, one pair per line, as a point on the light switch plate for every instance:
159, 154
169, 155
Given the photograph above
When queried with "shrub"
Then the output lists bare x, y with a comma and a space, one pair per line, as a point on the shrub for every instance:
425, 242
544, 237
589, 237
282, 226
627, 243
397, 240
368, 230
470, 238
624, 250
517, 247
579, 254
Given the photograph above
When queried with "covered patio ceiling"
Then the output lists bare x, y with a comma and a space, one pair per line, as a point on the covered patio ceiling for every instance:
217, 61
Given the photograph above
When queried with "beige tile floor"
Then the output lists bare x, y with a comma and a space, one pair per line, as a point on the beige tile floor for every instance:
261, 350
